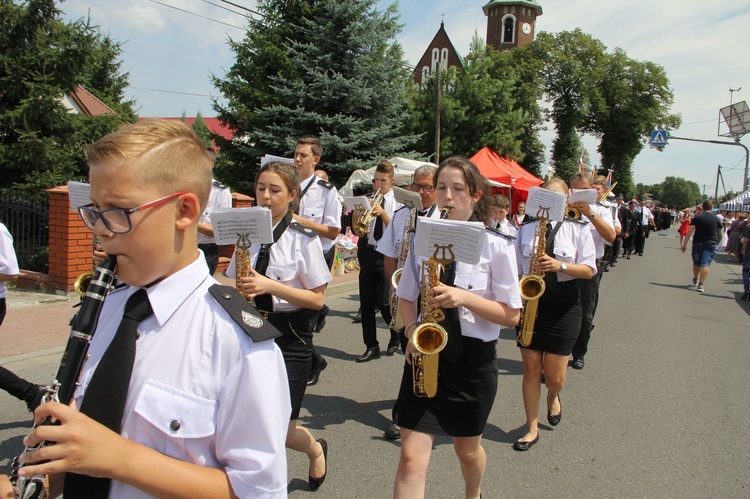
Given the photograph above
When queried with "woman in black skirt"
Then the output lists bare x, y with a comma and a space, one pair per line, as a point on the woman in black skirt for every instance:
480, 299
287, 287
558, 319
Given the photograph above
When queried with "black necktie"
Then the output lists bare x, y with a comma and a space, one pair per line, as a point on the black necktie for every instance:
378, 232
550, 278
107, 391
265, 302
454, 349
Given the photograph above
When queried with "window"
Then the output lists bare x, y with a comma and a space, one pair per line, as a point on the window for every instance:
509, 29
435, 58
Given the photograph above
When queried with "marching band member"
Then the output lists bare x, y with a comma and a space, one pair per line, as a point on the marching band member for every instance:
602, 230
373, 286
521, 217
570, 256
392, 244
499, 209
480, 298
288, 284
219, 197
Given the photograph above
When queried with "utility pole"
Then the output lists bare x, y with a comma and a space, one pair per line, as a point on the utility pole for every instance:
716, 190
725, 143
439, 98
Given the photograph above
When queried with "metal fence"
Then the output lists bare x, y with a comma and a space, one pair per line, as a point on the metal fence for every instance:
27, 219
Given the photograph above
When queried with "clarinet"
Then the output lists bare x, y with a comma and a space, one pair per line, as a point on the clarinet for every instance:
64, 385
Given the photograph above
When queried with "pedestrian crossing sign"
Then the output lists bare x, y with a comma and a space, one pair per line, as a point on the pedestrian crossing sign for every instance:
659, 138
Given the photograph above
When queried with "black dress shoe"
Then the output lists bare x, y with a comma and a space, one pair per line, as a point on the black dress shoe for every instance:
554, 419
524, 446
357, 318
315, 373
315, 483
393, 432
578, 363
370, 354
393, 347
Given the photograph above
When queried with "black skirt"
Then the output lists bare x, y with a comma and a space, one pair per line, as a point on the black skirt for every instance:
558, 319
465, 394
295, 344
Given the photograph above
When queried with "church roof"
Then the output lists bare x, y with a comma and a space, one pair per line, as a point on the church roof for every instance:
523, 3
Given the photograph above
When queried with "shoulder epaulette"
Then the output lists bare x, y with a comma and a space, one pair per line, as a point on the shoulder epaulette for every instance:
530, 220
577, 220
401, 208
301, 228
243, 313
325, 183
218, 184
501, 233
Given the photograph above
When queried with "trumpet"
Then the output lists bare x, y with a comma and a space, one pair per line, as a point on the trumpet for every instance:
362, 225
606, 194
572, 212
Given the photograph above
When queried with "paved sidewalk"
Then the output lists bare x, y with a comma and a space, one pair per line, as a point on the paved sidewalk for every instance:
39, 321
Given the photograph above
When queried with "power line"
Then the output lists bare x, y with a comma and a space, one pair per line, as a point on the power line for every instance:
198, 15
170, 92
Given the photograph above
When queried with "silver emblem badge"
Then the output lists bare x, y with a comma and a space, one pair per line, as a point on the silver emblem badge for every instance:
251, 320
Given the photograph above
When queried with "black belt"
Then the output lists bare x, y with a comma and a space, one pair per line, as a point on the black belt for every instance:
289, 315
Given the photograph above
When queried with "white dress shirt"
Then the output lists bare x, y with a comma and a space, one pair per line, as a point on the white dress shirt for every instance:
321, 205
390, 243
390, 205
295, 260
493, 278
646, 215
602, 212
8, 261
219, 197
573, 244
202, 390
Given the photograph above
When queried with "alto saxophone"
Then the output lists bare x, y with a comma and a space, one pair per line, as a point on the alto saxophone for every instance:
397, 322
532, 286
64, 385
429, 338
242, 266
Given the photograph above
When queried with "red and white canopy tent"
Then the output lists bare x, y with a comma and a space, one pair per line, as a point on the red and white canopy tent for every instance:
506, 171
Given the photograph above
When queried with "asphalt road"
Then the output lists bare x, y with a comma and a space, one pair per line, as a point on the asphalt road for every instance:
660, 409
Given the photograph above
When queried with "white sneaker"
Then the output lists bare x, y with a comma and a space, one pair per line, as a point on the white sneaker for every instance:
700, 288
694, 284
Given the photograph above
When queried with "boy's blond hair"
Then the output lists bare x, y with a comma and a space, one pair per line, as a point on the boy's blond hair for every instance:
164, 153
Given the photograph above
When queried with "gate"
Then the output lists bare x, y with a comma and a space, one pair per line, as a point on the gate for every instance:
27, 218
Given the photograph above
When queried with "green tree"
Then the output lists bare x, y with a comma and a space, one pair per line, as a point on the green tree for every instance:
42, 59
678, 193
328, 68
631, 98
572, 62
202, 130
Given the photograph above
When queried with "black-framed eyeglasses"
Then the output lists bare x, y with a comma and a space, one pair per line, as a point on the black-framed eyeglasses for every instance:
117, 220
428, 188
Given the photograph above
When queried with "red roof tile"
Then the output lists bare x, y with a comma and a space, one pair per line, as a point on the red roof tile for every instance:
89, 104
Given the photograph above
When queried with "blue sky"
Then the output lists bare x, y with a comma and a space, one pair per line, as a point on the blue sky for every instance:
170, 54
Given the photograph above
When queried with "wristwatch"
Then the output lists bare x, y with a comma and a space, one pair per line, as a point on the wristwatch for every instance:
563, 267
592, 216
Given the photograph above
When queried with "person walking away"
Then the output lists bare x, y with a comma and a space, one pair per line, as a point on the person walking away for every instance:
705, 227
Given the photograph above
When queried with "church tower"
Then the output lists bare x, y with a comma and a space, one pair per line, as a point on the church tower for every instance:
511, 23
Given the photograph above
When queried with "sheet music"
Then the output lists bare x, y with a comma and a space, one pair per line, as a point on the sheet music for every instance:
588, 196
361, 203
542, 202
407, 198
229, 223
463, 239
79, 194
268, 158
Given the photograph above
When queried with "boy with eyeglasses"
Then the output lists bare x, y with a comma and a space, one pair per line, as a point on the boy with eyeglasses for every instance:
204, 364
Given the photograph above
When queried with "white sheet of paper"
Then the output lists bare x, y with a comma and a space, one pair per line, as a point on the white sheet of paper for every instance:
407, 198
588, 196
464, 239
229, 223
79, 194
267, 158
542, 203
360, 203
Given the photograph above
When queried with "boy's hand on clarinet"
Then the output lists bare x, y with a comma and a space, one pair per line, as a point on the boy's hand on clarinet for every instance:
82, 445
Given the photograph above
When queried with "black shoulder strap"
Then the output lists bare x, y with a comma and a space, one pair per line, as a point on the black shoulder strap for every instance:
301, 228
243, 313
304, 191
325, 183
500, 233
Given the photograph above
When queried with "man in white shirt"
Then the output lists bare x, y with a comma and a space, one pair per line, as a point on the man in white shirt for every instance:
647, 219
602, 229
319, 210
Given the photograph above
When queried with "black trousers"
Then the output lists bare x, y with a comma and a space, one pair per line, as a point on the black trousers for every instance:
16, 386
640, 239
211, 252
373, 292
589, 289
615, 250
